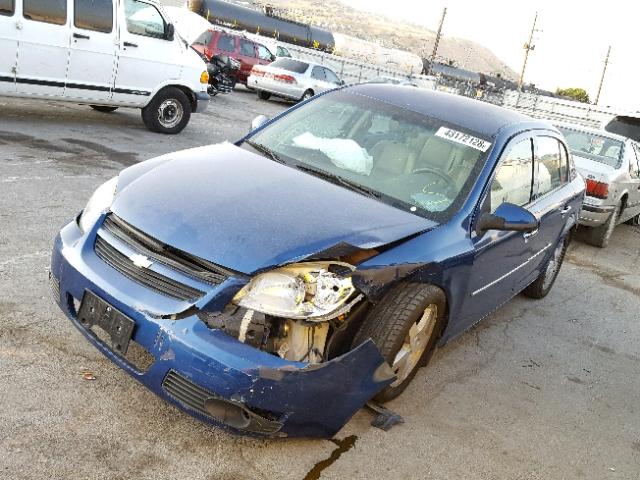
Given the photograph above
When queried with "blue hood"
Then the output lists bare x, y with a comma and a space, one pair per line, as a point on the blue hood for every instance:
247, 213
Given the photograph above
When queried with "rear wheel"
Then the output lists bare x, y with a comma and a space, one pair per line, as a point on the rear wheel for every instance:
103, 108
168, 112
263, 95
600, 236
542, 285
405, 326
635, 221
307, 95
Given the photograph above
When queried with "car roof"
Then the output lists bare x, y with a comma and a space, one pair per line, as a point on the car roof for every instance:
595, 131
476, 115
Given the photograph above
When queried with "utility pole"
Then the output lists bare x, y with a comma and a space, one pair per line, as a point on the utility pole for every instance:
438, 37
528, 47
604, 70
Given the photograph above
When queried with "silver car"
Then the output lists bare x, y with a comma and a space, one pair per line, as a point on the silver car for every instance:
610, 165
292, 79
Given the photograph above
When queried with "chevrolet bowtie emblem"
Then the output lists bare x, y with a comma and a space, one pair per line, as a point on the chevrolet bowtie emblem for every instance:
140, 261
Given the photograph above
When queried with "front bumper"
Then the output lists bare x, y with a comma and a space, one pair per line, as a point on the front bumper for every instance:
202, 102
595, 215
207, 373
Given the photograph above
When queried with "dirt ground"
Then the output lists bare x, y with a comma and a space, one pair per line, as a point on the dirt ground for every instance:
540, 390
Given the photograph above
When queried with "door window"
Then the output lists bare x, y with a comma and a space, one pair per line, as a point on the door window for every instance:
95, 15
318, 73
143, 19
264, 53
247, 49
226, 43
7, 7
514, 178
331, 77
48, 11
552, 162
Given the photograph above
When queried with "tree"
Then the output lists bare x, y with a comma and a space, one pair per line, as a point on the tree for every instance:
577, 94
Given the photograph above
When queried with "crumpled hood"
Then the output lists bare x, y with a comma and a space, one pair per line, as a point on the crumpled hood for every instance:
247, 213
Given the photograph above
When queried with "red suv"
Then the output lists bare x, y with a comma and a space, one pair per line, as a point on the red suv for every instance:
247, 52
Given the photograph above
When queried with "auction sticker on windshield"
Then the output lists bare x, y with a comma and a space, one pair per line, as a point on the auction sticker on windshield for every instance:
463, 139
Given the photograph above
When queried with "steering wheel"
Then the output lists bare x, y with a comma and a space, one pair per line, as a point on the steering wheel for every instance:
449, 182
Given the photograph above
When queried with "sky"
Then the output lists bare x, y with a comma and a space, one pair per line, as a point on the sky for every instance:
569, 50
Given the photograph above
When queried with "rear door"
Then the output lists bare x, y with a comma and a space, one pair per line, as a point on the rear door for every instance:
633, 203
248, 56
8, 45
93, 50
146, 58
502, 260
43, 47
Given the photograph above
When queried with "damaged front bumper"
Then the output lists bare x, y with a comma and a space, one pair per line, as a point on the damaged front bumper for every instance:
207, 373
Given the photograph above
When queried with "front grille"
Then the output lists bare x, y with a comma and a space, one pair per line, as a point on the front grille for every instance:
187, 392
144, 276
190, 265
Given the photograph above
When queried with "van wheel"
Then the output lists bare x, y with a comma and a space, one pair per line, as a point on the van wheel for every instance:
103, 108
168, 112
405, 326
262, 95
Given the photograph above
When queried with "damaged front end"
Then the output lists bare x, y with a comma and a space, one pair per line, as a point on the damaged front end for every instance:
277, 361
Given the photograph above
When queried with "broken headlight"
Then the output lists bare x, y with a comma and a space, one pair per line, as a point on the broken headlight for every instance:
101, 200
310, 291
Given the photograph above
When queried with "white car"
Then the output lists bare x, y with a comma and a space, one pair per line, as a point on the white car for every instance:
292, 79
107, 54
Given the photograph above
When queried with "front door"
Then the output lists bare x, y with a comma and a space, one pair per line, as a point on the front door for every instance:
502, 260
43, 47
146, 58
8, 46
633, 202
92, 55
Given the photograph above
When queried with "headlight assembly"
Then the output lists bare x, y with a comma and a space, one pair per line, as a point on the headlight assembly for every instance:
100, 201
299, 291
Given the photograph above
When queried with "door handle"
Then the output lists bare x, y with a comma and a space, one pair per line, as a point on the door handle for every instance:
129, 44
528, 235
80, 35
565, 210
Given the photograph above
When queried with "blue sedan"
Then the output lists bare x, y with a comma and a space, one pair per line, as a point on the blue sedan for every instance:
275, 285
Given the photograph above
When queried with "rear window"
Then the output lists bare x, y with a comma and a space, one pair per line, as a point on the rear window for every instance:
94, 15
47, 11
6, 7
291, 65
598, 148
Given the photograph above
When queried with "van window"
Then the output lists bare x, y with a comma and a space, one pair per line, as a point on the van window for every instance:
48, 11
95, 15
247, 49
143, 19
7, 7
226, 43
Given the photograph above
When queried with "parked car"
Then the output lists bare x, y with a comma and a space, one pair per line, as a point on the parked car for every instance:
394, 81
274, 285
110, 54
292, 79
611, 166
274, 46
237, 46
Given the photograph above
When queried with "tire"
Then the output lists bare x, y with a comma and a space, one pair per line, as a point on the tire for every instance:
389, 324
262, 95
600, 236
634, 221
543, 284
168, 112
103, 108
307, 95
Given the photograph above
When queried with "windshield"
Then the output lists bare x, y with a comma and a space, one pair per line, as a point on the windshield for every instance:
594, 147
406, 159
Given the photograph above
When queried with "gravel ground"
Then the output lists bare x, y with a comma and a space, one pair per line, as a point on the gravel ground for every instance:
540, 390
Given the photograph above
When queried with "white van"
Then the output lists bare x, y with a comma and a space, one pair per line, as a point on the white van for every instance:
104, 53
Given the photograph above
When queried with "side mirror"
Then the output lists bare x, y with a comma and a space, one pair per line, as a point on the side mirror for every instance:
508, 217
259, 121
169, 32
273, 57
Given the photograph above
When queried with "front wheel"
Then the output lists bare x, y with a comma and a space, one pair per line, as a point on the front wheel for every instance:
405, 326
103, 108
307, 95
542, 285
262, 95
168, 112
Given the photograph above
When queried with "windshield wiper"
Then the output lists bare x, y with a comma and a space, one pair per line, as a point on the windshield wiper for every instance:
266, 151
337, 179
